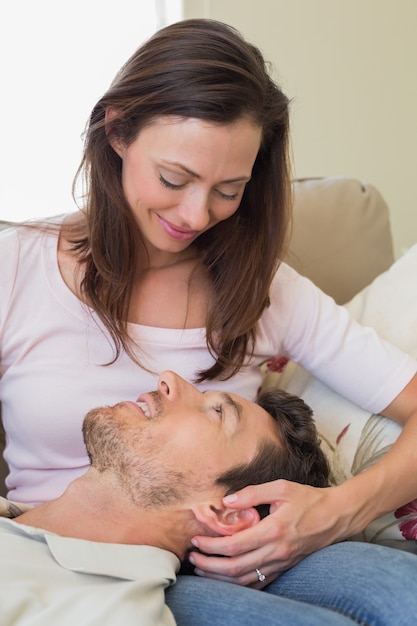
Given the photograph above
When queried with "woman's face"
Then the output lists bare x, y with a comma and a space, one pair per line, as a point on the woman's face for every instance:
181, 176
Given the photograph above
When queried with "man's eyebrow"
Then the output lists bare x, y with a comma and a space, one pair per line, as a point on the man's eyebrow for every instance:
239, 179
229, 401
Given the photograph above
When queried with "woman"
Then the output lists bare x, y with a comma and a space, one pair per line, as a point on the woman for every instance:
173, 263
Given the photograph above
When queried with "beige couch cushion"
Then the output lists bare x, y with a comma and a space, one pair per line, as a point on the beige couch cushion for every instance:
341, 235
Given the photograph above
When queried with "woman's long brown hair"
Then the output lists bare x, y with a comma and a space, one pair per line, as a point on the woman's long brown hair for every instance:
202, 69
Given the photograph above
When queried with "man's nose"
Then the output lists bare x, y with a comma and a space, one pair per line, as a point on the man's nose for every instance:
173, 387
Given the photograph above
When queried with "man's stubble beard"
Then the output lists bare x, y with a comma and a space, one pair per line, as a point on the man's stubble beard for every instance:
135, 458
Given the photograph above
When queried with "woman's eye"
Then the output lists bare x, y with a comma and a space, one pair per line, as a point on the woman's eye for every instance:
167, 183
226, 196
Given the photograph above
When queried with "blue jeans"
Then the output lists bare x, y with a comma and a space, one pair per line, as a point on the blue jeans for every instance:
340, 585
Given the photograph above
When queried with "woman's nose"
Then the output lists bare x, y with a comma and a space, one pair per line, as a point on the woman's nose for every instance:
194, 211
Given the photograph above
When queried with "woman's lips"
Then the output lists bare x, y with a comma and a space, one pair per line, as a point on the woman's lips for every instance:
175, 232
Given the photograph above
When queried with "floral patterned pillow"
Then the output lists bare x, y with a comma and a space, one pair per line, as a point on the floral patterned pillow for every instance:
352, 438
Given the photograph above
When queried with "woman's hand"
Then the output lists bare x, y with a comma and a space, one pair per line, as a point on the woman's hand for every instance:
302, 520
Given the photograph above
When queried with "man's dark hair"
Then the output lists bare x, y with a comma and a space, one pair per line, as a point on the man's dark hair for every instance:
297, 457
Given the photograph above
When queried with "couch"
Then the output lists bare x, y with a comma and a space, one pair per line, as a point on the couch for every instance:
341, 239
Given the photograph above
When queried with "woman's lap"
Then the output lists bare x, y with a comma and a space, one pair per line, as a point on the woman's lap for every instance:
373, 584
197, 601
347, 581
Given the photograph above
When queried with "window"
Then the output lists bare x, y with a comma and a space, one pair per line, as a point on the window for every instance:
56, 60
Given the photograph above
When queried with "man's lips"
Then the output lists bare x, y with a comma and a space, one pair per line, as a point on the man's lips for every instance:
175, 231
144, 408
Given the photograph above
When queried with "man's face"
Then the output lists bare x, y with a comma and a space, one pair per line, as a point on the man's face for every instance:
175, 441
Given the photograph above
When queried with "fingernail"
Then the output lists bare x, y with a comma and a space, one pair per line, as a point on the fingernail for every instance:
229, 499
195, 543
199, 572
191, 559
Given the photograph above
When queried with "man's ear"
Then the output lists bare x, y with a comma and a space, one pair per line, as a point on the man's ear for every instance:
114, 139
225, 521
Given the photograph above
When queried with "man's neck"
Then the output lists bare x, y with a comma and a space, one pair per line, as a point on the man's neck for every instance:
91, 509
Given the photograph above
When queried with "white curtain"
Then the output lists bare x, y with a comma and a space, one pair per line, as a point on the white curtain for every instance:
56, 60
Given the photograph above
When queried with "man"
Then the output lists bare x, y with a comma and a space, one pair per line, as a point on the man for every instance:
105, 551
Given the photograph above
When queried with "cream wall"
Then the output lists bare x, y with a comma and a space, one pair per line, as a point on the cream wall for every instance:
350, 67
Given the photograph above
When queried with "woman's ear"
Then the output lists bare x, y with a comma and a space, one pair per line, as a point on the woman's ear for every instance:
114, 139
222, 521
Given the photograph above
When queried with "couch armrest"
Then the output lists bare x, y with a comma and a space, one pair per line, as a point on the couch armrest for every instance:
341, 236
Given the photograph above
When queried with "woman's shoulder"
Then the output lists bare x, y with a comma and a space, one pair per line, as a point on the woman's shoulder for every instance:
22, 244
30, 229
26, 233
287, 281
9, 242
